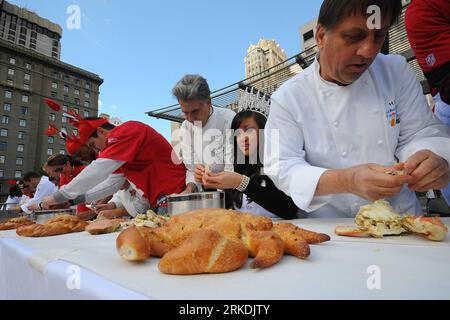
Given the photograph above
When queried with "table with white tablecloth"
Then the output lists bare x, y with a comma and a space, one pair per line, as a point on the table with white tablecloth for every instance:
82, 266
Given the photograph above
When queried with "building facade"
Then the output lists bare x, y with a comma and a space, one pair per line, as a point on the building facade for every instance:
27, 76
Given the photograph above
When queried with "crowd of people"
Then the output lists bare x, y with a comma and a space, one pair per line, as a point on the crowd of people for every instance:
333, 134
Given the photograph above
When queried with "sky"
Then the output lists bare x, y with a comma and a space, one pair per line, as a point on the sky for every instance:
141, 48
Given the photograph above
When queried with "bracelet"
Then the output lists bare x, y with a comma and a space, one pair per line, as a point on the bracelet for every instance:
244, 184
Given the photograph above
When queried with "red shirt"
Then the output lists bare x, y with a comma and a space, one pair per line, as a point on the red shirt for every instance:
148, 160
428, 27
63, 180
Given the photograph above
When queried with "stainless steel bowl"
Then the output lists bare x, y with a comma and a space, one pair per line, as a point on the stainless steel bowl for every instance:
42, 217
182, 203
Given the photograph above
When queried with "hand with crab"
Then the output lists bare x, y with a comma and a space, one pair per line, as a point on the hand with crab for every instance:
216, 241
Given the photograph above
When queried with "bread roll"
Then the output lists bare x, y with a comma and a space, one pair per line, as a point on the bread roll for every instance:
205, 251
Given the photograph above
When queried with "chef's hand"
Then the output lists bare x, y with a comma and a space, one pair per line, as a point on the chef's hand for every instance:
428, 170
190, 188
222, 180
48, 203
372, 182
34, 207
198, 173
103, 207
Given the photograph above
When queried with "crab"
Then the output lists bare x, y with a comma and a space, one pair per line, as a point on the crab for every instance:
216, 241
379, 219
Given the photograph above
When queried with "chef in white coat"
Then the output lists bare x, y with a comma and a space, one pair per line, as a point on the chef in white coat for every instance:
336, 128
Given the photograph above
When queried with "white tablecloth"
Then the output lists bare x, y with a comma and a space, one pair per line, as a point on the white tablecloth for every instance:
408, 267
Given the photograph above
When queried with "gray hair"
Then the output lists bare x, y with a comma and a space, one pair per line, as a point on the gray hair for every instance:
192, 87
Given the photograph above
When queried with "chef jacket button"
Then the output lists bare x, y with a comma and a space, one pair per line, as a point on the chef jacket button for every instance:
344, 154
336, 124
380, 143
376, 111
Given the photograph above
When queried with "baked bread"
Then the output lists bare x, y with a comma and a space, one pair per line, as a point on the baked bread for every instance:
205, 251
14, 223
62, 224
103, 226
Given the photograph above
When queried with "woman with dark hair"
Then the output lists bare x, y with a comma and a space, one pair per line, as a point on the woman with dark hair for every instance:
65, 168
248, 189
14, 197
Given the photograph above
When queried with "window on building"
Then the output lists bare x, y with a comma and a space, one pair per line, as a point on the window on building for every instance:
12, 60
21, 135
66, 89
25, 98
11, 72
66, 98
28, 66
77, 101
65, 108
3, 132
2, 173
64, 119
9, 82
3, 146
77, 92
7, 107
66, 77
27, 77
87, 85
55, 75
24, 111
5, 119
18, 174
2, 159
51, 140
87, 95
308, 35
49, 151
87, 104
22, 123
19, 161
77, 82
52, 117
54, 94
20, 148
8, 94
26, 86
86, 114
54, 85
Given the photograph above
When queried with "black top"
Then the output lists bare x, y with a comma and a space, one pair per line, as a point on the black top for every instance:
263, 191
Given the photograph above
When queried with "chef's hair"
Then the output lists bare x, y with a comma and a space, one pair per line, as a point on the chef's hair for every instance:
333, 12
31, 175
191, 87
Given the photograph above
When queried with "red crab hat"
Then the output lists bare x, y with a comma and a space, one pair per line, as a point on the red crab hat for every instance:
86, 128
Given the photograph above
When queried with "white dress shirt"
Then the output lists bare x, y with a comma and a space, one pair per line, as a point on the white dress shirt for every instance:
208, 145
44, 189
316, 125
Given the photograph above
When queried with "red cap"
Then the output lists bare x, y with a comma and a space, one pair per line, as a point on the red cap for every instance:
73, 145
86, 128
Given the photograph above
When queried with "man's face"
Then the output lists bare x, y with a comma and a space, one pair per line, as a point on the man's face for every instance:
98, 143
348, 50
196, 110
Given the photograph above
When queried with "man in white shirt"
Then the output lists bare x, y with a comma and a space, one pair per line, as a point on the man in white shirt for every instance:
206, 138
40, 186
350, 117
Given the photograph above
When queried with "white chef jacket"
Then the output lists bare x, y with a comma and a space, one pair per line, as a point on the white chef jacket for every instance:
209, 144
44, 189
316, 125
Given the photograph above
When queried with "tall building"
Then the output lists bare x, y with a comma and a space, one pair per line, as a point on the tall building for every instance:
27, 76
265, 55
308, 39
113, 120
27, 29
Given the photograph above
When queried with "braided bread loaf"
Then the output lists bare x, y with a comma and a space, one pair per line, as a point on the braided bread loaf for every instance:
62, 224
14, 223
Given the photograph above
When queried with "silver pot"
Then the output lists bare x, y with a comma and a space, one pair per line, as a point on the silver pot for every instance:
42, 217
182, 203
